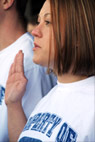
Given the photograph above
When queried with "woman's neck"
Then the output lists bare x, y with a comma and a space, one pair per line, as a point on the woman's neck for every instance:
69, 78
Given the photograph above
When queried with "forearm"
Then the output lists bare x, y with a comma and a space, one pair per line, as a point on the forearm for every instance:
16, 121
15, 88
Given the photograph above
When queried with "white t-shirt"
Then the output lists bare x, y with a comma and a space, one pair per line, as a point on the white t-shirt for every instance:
66, 114
39, 83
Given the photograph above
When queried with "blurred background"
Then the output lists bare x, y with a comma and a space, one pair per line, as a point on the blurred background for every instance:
32, 9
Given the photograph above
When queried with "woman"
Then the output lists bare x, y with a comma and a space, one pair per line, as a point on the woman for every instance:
65, 42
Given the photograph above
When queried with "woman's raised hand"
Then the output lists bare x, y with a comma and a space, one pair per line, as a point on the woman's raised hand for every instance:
16, 83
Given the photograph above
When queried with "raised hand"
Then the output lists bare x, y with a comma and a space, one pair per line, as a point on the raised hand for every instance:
16, 83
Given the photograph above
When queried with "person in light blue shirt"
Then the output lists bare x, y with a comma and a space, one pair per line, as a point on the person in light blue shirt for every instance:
13, 37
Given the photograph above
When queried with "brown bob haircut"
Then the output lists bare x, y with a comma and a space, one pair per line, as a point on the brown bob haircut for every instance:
77, 52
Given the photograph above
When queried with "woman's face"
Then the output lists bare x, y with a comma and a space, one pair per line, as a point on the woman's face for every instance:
43, 37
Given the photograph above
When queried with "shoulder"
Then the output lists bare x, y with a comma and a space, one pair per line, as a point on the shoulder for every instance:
26, 45
26, 42
46, 99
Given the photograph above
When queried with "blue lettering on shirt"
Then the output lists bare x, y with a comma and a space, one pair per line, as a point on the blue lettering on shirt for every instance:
46, 123
2, 92
27, 139
66, 134
43, 122
55, 120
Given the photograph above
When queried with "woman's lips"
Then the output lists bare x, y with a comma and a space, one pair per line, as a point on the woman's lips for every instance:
36, 46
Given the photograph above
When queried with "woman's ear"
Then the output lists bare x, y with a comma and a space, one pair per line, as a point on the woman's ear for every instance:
7, 4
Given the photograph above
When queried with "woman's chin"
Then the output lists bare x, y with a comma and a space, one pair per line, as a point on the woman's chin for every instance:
40, 62
35, 61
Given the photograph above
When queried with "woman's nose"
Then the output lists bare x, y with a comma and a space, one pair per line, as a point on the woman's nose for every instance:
36, 32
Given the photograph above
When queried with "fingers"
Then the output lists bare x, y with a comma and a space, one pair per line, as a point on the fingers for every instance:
17, 66
11, 71
19, 62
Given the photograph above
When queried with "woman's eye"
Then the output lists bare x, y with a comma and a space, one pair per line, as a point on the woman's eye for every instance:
47, 22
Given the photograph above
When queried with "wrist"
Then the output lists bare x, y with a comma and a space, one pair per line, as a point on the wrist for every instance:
14, 105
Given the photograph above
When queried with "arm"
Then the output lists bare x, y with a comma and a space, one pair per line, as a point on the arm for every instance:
15, 88
16, 121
